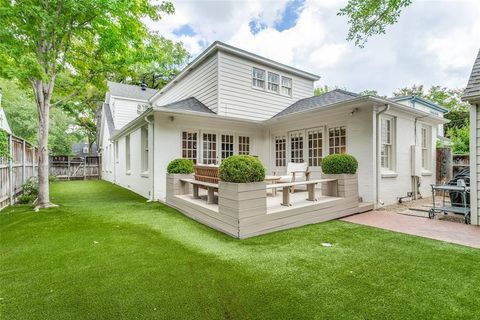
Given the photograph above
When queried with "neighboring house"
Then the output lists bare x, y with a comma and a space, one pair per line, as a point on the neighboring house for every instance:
427, 106
84, 149
229, 101
3, 118
472, 95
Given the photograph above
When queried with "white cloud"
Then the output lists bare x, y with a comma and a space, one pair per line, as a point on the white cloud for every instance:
434, 42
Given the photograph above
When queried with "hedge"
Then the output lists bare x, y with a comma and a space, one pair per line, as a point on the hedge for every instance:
339, 164
241, 169
180, 166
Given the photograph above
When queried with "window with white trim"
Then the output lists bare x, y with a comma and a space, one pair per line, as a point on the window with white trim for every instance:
280, 151
116, 151
287, 86
273, 82
226, 146
243, 145
258, 78
296, 146
209, 148
425, 145
144, 146
315, 147
189, 146
337, 140
127, 153
387, 143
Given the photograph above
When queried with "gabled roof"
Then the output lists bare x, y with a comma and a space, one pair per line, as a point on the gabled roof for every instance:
129, 91
317, 102
189, 104
421, 100
109, 118
472, 91
220, 46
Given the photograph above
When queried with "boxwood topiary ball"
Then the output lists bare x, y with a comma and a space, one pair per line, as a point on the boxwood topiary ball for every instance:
242, 169
339, 164
180, 166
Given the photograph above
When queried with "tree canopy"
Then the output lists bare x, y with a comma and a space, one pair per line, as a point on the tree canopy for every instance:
371, 17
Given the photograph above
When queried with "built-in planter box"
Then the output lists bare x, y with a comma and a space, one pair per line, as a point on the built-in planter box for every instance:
242, 200
345, 186
175, 186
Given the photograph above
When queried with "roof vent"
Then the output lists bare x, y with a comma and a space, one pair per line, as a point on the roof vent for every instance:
143, 86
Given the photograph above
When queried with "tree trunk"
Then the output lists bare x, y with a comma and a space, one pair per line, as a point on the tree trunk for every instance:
43, 95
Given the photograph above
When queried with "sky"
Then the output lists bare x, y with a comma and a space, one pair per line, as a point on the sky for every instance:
435, 42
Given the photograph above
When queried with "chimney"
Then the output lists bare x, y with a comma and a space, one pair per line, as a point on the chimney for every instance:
143, 86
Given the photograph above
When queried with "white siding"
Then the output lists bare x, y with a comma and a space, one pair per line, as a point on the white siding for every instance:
237, 98
124, 111
200, 83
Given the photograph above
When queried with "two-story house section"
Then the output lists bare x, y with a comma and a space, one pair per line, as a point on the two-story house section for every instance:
229, 101
236, 83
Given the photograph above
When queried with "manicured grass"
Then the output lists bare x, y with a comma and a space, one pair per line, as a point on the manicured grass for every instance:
107, 254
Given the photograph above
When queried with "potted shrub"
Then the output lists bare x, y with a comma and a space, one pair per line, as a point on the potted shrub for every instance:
343, 168
241, 189
178, 169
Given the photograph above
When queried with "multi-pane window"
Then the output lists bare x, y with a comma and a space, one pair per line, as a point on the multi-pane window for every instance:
315, 147
209, 148
127, 153
116, 152
280, 151
227, 146
189, 146
337, 140
287, 86
273, 82
144, 146
296, 146
425, 147
258, 78
386, 148
243, 145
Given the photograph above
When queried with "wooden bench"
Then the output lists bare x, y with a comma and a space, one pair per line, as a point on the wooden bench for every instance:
287, 185
211, 188
206, 173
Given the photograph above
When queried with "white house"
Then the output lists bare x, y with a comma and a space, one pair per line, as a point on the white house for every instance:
472, 95
229, 101
3, 117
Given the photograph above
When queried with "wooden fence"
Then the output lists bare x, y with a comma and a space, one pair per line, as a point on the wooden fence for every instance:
21, 166
75, 168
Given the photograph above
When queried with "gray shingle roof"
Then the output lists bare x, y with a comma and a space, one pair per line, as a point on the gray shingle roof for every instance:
190, 104
317, 102
473, 88
129, 91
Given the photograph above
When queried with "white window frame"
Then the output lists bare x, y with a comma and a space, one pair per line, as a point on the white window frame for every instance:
280, 139
128, 158
300, 156
271, 82
244, 144
226, 140
144, 149
426, 146
388, 142
288, 88
116, 152
194, 148
256, 80
316, 159
211, 160
335, 145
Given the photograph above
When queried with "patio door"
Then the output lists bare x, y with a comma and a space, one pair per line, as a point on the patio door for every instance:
209, 148
226, 145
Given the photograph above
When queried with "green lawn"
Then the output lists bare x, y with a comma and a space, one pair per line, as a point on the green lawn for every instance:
107, 254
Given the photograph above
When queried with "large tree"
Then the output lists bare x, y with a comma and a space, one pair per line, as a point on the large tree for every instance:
67, 44
371, 17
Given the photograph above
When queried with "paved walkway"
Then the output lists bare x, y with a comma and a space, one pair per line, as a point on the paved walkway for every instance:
458, 233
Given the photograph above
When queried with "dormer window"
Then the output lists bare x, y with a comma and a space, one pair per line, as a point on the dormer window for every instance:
287, 86
273, 82
258, 78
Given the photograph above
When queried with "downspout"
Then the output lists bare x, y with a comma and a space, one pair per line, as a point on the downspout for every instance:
377, 154
151, 124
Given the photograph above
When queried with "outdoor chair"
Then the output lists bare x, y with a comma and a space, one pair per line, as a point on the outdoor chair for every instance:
296, 172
